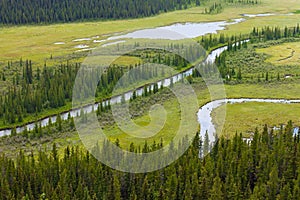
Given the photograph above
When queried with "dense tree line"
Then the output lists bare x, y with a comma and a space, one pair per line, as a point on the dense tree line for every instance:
52, 87
214, 9
139, 106
52, 11
212, 41
266, 168
33, 92
257, 35
274, 33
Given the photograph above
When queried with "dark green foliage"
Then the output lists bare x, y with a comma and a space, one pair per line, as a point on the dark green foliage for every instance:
50, 89
239, 74
214, 9
268, 168
51, 11
274, 33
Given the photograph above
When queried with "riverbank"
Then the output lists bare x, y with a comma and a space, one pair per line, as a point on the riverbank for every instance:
29, 125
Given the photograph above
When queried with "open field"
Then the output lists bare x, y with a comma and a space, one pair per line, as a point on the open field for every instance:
245, 117
259, 22
284, 54
168, 131
284, 90
38, 42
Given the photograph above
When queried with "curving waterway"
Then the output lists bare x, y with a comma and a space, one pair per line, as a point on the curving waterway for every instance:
206, 121
204, 114
116, 99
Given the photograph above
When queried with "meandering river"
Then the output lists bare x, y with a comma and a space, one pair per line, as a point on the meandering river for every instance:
88, 109
204, 114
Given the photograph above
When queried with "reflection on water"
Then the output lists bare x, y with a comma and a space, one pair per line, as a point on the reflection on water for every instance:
180, 31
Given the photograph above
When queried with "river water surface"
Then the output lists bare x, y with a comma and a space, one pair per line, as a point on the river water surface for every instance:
182, 31
117, 99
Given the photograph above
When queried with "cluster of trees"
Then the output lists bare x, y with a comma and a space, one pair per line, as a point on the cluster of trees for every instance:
257, 35
228, 71
51, 11
248, 65
33, 92
214, 9
169, 60
51, 87
212, 41
116, 79
207, 70
225, 63
266, 168
139, 106
274, 33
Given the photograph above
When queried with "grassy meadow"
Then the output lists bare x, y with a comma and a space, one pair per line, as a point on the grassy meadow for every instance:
255, 115
36, 42
283, 54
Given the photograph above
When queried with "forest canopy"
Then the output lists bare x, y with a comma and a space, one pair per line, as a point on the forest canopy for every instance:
51, 11
266, 168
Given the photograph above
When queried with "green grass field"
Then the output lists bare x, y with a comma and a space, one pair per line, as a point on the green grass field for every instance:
167, 132
284, 54
245, 117
37, 42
